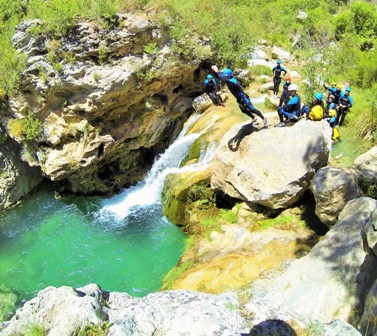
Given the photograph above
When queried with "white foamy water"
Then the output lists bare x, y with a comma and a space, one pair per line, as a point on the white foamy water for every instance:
148, 192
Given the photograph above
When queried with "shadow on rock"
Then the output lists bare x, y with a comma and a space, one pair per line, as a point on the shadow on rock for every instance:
245, 130
271, 327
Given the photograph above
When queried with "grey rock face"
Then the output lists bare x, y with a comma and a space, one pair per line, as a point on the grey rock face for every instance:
333, 188
64, 311
329, 282
107, 105
17, 178
271, 167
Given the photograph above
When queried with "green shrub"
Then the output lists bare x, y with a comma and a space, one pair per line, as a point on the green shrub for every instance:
35, 330
258, 70
101, 329
228, 216
33, 127
16, 127
151, 48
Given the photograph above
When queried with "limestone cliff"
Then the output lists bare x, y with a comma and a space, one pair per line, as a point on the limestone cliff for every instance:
108, 101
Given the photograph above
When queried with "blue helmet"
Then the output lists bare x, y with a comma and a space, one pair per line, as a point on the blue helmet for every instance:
318, 95
227, 72
348, 89
209, 77
278, 61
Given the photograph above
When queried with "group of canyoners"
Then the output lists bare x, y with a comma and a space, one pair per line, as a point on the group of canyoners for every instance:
290, 109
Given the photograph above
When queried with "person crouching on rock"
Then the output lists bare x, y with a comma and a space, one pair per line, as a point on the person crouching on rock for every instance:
291, 110
211, 89
236, 90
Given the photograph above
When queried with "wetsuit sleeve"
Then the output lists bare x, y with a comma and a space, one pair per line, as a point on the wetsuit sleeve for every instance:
283, 70
287, 107
351, 101
222, 78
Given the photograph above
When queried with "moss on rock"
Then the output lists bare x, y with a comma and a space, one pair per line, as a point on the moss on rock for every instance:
181, 191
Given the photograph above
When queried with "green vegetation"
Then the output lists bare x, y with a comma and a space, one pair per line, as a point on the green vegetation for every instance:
151, 48
285, 220
175, 274
29, 127
101, 329
35, 330
336, 42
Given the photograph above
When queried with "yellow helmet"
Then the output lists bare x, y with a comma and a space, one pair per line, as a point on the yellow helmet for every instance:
332, 113
339, 86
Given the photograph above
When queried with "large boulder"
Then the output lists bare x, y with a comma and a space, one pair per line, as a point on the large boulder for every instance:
333, 188
125, 84
365, 170
272, 167
66, 311
332, 280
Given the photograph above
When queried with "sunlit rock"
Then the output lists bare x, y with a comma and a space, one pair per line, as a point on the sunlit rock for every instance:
329, 282
125, 83
272, 167
332, 188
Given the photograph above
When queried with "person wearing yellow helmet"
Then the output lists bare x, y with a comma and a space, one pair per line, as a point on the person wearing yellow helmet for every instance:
338, 93
316, 107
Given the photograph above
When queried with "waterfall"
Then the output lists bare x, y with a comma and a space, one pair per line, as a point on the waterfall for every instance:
147, 193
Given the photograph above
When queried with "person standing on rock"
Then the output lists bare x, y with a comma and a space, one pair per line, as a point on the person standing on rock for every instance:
345, 103
285, 96
291, 110
211, 89
277, 71
236, 90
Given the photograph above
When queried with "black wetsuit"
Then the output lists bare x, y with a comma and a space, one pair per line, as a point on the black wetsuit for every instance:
276, 71
242, 98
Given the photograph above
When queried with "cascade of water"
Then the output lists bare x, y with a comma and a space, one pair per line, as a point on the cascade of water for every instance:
148, 192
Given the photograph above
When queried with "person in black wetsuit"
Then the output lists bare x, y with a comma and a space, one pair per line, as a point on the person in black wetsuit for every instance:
276, 71
345, 103
211, 89
291, 110
285, 96
236, 90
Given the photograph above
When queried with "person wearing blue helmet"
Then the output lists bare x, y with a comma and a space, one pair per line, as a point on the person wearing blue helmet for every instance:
277, 71
236, 90
316, 109
345, 103
211, 89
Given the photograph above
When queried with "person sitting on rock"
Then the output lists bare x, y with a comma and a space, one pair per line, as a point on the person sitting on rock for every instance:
211, 89
316, 108
236, 90
291, 110
345, 103
276, 71
285, 96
